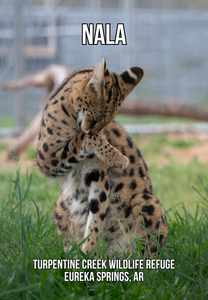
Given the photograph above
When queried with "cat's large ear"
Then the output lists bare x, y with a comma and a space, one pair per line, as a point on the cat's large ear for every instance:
97, 79
131, 78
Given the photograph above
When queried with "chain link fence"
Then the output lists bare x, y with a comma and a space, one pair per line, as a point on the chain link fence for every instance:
167, 38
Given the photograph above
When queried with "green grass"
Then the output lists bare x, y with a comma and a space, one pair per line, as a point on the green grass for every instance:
127, 119
27, 232
6, 121
156, 143
30, 153
10, 122
3, 147
45, 191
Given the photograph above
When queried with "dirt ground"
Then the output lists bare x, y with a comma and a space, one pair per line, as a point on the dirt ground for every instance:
199, 151
10, 164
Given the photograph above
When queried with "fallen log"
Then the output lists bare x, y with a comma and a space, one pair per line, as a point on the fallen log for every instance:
50, 78
173, 109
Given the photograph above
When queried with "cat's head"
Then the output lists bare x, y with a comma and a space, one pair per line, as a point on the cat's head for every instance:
98, 94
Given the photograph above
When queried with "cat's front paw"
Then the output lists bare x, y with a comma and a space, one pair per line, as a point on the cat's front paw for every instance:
85, 153
117, 160
121, 162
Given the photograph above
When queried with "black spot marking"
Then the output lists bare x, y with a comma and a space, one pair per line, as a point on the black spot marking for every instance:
147, 223
50, 131
114, 200
65, 122
106, 185
103, 196
63, 205
75, 150
94, 206
95, 229
53, 118
146, 197
116, 132
133, 185
137, 71
41, 155
102, 174
130, 226
102, 216
163, 218
74, 117
106, 72
160, 238
132, 159
127, 78
57, 216
93, 124
138, 153
141, 172
39, 165
149, 209
54, 102
53, 154
119, 187
157, 225
109, 95
145, 165
124, 173
59, 141
128, 211
94, 175
39, 137
121, 206
154, 250
54, 162
85, 199
43, 122
72, 160
112, 229
131, 172
123, 151
130, 143
132, 197
82, 135
66, 149
62, 228
91, 155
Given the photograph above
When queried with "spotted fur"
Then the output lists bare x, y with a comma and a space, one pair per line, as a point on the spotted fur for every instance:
104, 177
